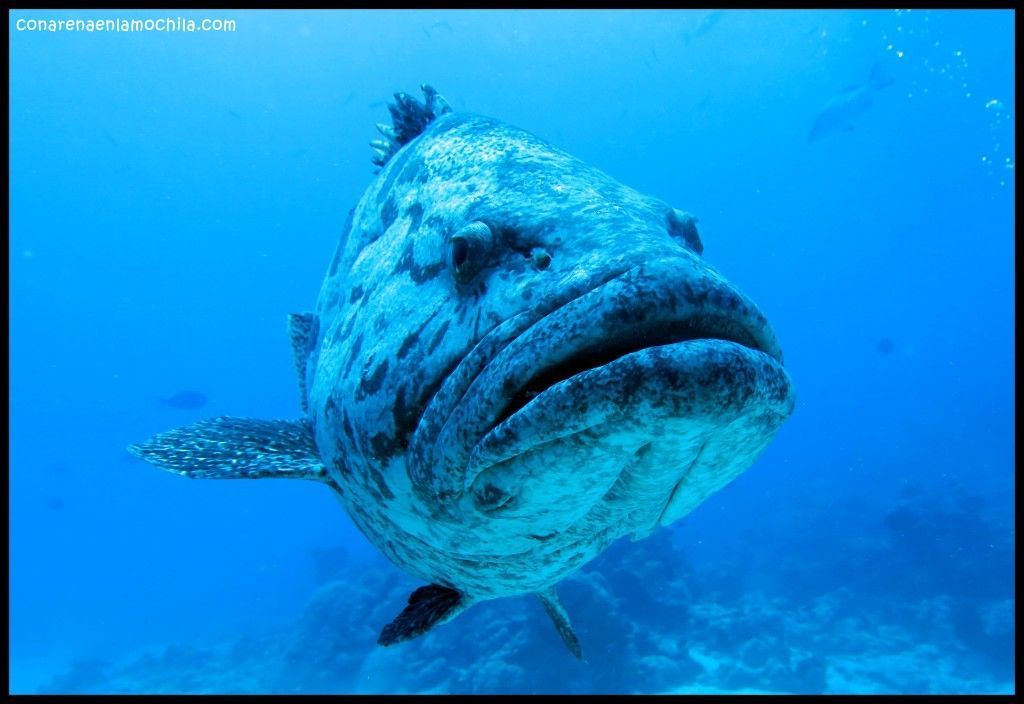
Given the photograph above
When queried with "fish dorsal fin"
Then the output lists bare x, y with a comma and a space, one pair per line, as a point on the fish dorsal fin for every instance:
428, 606
560, 618
303, 330
237, 448
409, 117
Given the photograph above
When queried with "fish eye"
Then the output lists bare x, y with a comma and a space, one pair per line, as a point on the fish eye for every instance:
460, 252
468, 250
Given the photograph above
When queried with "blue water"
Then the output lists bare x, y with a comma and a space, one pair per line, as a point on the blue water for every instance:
175, 195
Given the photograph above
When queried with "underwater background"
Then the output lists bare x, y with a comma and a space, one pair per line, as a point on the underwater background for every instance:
173, 196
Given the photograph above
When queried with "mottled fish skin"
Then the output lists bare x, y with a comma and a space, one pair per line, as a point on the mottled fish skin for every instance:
415, 363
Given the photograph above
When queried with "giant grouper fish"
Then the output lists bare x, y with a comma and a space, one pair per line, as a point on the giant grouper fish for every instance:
514, 361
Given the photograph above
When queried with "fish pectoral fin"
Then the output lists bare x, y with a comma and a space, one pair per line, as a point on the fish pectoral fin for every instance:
560, 618
428, 606
303, 330
237, 448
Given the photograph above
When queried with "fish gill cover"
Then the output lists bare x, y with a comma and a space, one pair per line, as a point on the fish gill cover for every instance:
543, 329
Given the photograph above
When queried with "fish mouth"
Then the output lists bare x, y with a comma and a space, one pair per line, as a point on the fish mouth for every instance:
675, 316
634, 338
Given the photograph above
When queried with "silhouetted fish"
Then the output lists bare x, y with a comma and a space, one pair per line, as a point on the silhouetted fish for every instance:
437, 25
704, 26
54, 503
885, 346
839, 112
187, 400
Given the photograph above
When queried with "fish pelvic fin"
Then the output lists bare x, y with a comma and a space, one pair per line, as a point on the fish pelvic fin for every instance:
560, 618
237, 448
428, 607
303, 330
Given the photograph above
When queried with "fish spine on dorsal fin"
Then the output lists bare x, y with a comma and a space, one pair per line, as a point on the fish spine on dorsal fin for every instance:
303, 330
409, 117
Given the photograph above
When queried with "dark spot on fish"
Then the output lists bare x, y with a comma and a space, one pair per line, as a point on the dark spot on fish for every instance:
407, 344
346, 425
186, 400
370, 385
331, 409
438, 336
415, 216
335, 261
543, 537
353, 353
381, 444
355, 294
405, 418
388, 213
885, 346
411, 339
418, 273
332, 299
527, 294
397, 165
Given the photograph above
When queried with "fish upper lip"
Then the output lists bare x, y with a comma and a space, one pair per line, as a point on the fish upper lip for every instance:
707, 323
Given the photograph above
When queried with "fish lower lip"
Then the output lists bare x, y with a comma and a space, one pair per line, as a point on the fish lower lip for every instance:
699, 389
606, 351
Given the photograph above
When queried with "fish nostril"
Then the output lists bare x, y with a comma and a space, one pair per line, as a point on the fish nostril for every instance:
683, 226
540, 258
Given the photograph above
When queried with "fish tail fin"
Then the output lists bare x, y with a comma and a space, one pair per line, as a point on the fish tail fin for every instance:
236, 448
878, 78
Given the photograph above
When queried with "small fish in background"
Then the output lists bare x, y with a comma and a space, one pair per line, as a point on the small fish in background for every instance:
429, 31
704, 26
839, 112
186, 400
55, 503
885, 346
233, 113
62, 468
